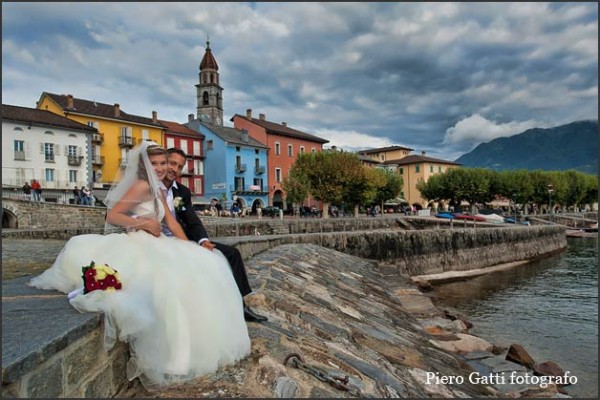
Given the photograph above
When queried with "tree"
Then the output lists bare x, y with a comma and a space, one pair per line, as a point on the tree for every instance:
391, 187
330, 176
296, 188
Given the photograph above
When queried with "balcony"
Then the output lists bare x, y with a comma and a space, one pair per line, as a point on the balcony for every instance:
187, 171
259, 169
125, 141
240, 168
97, 138
248, 189
74, 160
98, 160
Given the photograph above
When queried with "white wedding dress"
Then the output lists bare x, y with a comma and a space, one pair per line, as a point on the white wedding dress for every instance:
179, 308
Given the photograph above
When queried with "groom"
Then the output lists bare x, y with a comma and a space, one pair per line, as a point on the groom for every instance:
194, 229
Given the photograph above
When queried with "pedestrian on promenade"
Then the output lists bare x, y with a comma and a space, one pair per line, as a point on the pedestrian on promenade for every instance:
27, 191
36, 189
85, 196
76, 196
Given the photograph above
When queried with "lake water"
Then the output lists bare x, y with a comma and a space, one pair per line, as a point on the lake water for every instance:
549, 306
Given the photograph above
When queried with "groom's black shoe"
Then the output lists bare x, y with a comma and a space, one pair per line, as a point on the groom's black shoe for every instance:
251, 316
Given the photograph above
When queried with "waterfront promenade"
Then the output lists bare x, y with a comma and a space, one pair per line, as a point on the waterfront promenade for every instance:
345, 314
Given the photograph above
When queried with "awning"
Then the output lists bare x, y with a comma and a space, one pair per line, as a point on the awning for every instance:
395, 202
200, 200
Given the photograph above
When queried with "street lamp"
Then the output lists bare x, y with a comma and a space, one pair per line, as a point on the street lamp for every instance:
550, 190
514, 197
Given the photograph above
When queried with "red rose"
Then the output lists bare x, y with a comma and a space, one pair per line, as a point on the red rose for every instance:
90, 273
111, 280
91, 286
118, 285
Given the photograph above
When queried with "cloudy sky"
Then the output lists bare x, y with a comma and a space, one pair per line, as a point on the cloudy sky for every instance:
435, 77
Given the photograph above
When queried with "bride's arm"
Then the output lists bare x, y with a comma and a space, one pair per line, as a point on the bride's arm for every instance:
118, 215
171, 222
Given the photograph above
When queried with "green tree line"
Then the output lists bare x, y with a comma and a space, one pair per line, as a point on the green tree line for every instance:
480, 186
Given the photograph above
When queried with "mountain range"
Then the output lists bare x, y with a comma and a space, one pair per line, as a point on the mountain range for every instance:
570, 146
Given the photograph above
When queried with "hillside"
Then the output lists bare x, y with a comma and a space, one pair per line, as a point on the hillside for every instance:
571, 146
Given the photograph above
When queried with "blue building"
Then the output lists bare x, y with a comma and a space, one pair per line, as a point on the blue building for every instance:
235, 166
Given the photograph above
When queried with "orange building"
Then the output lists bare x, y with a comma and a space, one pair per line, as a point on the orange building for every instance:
284, 145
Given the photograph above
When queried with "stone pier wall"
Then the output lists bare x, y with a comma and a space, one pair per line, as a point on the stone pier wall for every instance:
430, 251
26, 215
80, 370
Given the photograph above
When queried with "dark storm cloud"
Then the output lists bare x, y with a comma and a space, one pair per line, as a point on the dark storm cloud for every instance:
440, 77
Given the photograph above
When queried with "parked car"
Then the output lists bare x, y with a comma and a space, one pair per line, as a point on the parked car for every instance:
270, 211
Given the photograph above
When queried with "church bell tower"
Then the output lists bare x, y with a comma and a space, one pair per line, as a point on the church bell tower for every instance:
209, 93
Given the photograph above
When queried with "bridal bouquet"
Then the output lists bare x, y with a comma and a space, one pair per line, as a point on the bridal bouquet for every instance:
100, 277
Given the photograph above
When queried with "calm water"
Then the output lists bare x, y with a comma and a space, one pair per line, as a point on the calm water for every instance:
550, 307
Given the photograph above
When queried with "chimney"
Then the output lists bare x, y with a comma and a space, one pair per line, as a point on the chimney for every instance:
154, 117
423, 153
69, 101
244, 135
261, 117
334, 148
190, 117
249, 113
284, 123
117, 110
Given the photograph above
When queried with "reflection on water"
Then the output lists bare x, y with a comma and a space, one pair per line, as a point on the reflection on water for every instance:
549, 306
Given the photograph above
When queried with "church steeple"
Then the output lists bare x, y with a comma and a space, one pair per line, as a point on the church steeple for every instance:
209, 93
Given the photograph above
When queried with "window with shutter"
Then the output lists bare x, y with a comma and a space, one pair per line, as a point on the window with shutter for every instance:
56, 149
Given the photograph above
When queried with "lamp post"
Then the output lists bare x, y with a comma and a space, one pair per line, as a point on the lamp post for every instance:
550, 190
514, 198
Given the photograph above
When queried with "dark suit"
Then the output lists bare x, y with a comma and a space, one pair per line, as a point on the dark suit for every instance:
194, 230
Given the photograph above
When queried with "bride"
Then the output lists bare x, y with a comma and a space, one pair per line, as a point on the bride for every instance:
182, 318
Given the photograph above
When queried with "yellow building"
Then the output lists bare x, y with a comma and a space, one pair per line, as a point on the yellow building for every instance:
415, 168
118, 131
384, 154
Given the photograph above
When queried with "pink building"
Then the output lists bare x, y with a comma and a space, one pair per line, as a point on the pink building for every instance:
284, 145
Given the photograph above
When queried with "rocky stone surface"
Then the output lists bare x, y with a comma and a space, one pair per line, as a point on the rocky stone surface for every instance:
516, 353
344, 326
337, 328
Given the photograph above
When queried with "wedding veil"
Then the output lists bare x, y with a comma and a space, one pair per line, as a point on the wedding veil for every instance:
137, 167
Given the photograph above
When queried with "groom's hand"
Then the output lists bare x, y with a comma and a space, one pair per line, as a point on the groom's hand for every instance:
207, 244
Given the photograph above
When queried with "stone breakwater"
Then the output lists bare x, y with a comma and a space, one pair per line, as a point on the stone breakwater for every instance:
428, 251
350, 322
341, 314
343, 318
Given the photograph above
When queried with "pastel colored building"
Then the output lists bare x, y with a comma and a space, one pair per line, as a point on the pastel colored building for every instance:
284, 145
118, 131
38, 144
235, 166
415, 168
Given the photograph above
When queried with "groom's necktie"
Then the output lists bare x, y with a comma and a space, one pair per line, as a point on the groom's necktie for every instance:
169, 198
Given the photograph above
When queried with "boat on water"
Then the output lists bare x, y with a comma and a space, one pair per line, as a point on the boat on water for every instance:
591, 231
